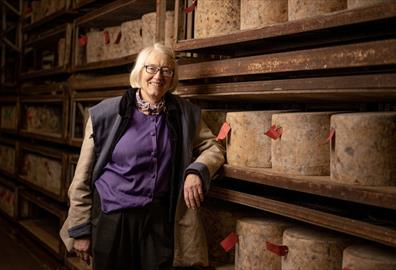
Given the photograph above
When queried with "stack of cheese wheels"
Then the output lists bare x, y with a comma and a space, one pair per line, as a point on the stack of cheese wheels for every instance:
256, 14
149, 24
247, 146
253, 233
300, 9
369, 257
364, 149
218, 223
364, 3
213, 18
302, 149
313, 249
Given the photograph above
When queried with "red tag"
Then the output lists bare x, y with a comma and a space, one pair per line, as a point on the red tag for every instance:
346, 268
191, 8
118, 38
277, 249
229, 242
225, 128
331, 135
82, 40
106, 36
274, 132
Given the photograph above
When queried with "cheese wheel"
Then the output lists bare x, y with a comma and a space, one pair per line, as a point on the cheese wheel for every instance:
257, 14
112, 50
364, 149
213, 18
247, 145
251, 252
369, 257
149, 22
131, 40
95, 46
365, 3
302, 149
300, 9
312, 249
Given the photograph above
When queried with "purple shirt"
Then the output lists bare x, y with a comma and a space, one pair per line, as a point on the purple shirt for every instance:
140, 165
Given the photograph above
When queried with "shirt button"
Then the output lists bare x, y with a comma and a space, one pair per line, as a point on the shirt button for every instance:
153, 153
152, 133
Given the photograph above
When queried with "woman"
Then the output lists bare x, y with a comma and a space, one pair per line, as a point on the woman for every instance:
145, 163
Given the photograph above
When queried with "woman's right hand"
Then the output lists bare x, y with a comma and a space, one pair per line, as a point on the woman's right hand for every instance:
82, 247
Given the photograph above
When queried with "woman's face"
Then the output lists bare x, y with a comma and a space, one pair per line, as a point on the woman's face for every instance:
154, 86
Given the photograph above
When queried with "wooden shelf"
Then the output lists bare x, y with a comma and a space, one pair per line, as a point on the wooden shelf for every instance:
127, 60
43, 73
357, 88
352, 56
319, 185
333, 23
45, 20
75, 263
381, 234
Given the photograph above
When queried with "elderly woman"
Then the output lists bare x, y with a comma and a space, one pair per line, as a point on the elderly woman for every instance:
146, 161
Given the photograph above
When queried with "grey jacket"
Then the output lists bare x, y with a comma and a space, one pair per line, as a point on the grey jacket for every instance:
198, 151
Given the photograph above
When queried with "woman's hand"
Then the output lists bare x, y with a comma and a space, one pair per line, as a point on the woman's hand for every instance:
193, 194
82, 247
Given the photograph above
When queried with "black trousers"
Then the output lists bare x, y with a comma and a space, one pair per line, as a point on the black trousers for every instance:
133, 239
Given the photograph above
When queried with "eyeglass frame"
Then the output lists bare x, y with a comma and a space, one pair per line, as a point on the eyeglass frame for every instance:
161, 69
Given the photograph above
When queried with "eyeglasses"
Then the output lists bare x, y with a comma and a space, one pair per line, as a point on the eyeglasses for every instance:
167, 72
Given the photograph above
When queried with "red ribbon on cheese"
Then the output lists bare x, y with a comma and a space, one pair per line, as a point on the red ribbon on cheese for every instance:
225, 128
191, 8
82, 40
274, 132
106, 36
229, 242
346, 268
118, 38
279, 250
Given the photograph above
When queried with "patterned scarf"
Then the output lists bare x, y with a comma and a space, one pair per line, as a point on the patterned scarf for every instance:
146, 107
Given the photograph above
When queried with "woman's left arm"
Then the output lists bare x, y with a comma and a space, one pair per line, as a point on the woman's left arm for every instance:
210, 157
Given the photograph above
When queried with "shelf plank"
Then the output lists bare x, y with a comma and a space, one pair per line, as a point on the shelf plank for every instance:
43, 73
99, 82
333, 20
75, 263
384, 235
54, 16
45, 232
360, 55
379, 87
127, 60
318, 185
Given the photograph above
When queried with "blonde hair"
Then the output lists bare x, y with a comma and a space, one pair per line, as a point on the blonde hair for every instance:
135, 75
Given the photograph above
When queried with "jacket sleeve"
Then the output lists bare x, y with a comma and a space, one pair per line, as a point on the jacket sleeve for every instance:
209, 155
78, 221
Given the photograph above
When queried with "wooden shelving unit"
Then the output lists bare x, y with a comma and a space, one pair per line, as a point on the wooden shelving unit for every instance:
344, 59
